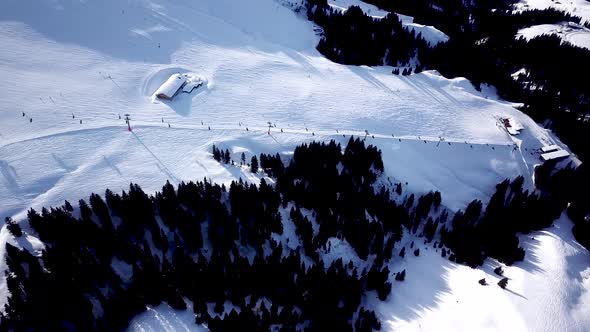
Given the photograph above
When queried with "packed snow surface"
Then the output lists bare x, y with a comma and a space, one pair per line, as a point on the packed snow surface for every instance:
70, 69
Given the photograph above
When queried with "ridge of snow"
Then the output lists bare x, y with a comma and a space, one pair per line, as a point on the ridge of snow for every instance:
571, 32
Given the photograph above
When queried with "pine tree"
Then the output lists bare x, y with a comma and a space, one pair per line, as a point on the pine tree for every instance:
13, 227
216, 153
401, 276
499, 271
402, 253
503, 283
68, 206
243, 158
226, 157
254, 164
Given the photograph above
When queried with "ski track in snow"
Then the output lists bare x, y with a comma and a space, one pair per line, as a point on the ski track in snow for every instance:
65, 61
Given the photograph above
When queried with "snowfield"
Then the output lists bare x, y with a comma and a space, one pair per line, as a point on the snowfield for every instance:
71, 71
575, 7
546, 292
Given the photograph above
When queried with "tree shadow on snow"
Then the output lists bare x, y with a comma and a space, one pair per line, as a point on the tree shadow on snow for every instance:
532, 261
10, 176
577, 263
423, 289
62, 163
515, 293
303, 61
363, 72
425, 83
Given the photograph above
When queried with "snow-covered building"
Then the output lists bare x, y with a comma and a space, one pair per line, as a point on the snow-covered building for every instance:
555, 155
549, 148
512, 126
169, 88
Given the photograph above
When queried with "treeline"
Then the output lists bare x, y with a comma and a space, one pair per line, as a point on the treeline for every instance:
454, 17
216, 247
478, 233
569, 186
354, 38
223, 249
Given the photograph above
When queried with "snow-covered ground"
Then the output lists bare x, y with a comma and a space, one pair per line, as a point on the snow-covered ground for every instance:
577, 36
573, 33
429, 33
366, 7
165, 319
74, 67
579, 8
546, 292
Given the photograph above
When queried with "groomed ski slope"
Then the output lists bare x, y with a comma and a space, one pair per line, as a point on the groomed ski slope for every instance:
63, 62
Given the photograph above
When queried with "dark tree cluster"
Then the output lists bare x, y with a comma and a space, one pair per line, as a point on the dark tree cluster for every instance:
569, 186
222, 156
216, 247
272, 165
355, 38
189, 243
477, 233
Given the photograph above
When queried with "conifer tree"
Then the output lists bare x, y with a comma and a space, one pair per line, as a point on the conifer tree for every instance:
254, 164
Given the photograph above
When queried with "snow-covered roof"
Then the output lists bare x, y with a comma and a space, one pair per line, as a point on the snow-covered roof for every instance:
555, 155
550, 148
171, 86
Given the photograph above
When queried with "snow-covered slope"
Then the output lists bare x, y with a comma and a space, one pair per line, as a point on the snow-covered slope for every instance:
429, 33
573, 33
369, 9
546, 292
165, 319
575, 7
74, 67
